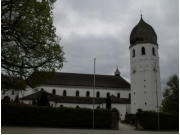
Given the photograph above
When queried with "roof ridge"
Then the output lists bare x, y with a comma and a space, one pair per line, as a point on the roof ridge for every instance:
82, 74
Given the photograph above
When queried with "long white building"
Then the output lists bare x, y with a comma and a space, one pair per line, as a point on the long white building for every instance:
76, 90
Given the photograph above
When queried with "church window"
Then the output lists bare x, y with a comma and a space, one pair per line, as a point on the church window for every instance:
87, 94
97, 94
145, 103
12, 92
153, 51
118, 95
133, 53
143, 52
77, 93
108, 94
64, 93
54, 92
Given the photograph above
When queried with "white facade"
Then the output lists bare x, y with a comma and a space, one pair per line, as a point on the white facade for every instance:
145, 77
71, 91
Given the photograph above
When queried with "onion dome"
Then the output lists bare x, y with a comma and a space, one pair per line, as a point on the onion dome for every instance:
143, 33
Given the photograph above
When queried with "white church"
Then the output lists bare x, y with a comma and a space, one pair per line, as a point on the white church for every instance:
77, 90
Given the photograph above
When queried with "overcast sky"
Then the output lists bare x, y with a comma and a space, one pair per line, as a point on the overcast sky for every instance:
101, 29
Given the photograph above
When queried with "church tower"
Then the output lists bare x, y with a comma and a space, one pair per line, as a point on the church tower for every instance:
144, 64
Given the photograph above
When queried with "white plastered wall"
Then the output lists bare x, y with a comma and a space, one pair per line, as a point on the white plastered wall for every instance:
145, 78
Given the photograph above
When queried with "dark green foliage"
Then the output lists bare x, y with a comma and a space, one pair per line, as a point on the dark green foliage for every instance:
6, 100
148, 120
43, 100
21, 115
16, 99
171, 96
29, 43
108, 103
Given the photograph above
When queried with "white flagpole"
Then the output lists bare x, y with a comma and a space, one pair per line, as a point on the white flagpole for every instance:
94, 90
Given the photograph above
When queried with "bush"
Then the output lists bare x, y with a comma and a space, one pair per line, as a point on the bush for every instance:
148, 120
22, 115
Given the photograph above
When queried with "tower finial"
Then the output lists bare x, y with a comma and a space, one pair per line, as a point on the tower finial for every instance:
141, 13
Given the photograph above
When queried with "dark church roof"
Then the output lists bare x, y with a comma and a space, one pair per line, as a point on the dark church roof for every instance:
143, 33
74, 99
87, 80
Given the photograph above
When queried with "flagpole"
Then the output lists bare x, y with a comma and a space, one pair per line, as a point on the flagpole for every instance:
94, 90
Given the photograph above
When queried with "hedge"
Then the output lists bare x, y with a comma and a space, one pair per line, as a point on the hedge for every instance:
148, 120
22, 115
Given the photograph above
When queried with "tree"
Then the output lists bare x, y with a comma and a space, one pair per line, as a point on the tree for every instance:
171, 95
29, 46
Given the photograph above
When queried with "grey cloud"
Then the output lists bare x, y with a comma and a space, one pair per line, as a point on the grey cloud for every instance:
113, 49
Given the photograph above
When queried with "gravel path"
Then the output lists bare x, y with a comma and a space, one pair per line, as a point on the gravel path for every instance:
43, 130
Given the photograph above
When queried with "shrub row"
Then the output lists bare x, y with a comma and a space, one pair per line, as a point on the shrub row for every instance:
21, 115
148, 120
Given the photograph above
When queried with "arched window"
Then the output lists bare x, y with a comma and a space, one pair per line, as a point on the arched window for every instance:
12, 92
118, 95
64, 93
145, 103
143, 52
97, 94
133, 53
54, 92
87, 94
153, 51
108, 94
77, 93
